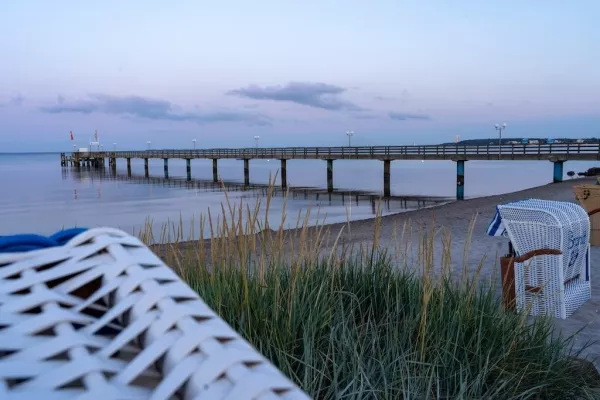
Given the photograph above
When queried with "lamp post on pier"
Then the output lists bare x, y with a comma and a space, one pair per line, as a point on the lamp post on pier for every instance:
256, 139
349, 134
148, 144
194, 142
115, 146
500, 128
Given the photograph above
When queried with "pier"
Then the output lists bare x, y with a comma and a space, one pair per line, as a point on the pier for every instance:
558, 154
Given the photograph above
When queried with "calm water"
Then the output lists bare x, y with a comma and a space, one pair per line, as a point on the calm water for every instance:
38, 195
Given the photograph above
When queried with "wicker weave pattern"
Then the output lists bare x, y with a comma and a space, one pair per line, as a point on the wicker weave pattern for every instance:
539, 224
104, 318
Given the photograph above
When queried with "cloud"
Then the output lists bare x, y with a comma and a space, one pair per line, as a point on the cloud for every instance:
14, 101
317, 95
17, 100
366, 116
404, 95
400, 116
148, 109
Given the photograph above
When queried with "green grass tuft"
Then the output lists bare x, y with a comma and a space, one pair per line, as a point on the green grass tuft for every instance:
368, 324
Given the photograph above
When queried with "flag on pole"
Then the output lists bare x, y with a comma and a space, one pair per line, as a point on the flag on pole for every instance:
71, 133
96, 135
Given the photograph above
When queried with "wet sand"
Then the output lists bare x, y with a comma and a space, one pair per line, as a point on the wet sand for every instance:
456, 218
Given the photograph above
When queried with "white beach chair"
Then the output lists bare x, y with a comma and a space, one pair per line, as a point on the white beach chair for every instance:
102, 317
552, 258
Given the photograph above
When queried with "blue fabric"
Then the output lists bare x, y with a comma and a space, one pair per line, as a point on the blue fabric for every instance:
496, 227
29, 241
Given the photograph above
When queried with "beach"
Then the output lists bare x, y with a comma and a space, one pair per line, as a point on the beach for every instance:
456, 218
483, 252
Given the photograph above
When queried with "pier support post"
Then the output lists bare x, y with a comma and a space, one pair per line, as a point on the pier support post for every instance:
166, 162
129, 166
246, 171
146, 173
215, 169
386, 178
558, 171
460, 179
330, 176
188, 168
113, 165
284, 173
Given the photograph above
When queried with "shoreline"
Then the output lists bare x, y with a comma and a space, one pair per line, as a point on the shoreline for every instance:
454, 215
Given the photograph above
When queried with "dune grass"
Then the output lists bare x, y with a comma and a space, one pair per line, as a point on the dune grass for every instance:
368, 322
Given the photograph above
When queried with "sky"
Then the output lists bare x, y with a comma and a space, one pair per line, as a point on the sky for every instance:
294, 73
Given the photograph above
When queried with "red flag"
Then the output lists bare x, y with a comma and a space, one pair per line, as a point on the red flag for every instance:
71, 133
96, 135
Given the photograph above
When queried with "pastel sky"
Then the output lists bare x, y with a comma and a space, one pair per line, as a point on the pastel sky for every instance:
294, 72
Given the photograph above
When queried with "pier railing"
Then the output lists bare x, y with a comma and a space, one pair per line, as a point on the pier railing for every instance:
518, 151
557, 153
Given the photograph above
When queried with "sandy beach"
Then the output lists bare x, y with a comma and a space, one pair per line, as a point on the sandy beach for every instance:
456, 218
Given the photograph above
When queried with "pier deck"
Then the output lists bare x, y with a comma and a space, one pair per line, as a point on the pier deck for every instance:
556, 153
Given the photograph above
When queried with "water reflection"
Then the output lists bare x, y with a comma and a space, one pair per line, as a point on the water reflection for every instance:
315, 196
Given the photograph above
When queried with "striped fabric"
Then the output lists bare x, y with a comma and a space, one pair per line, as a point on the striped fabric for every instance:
496, 227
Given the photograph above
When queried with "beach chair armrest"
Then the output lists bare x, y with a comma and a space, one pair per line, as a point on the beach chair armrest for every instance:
538, 252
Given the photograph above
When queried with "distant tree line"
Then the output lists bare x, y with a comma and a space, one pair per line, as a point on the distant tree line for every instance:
494, 141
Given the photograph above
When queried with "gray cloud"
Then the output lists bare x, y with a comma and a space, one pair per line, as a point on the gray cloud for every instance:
384, 98
317, 95
15, 101
400, 116
135, 106
402, 96
366, 116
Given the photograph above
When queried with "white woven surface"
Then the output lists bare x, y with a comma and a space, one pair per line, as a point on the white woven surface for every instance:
539, 224
104, 318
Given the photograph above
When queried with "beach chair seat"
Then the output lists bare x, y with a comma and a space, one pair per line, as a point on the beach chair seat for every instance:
551, 254
99, 316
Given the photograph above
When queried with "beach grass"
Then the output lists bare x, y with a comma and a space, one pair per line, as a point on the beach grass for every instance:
363, 321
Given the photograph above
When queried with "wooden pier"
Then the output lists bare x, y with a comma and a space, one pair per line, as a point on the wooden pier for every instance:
558, 154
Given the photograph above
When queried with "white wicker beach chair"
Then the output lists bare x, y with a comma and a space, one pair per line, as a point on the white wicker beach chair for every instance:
102, 317
552, 259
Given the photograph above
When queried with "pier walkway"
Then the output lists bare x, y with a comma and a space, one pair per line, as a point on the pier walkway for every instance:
557, 153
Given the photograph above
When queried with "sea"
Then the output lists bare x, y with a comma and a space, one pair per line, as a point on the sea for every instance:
38, 195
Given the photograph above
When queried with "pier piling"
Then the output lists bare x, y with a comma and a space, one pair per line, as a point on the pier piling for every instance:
558, 171
146, 167
283, 173
386, 178
188, 168
215, 163
460, 179
166, 162
129, 166
330, 176
246, 171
